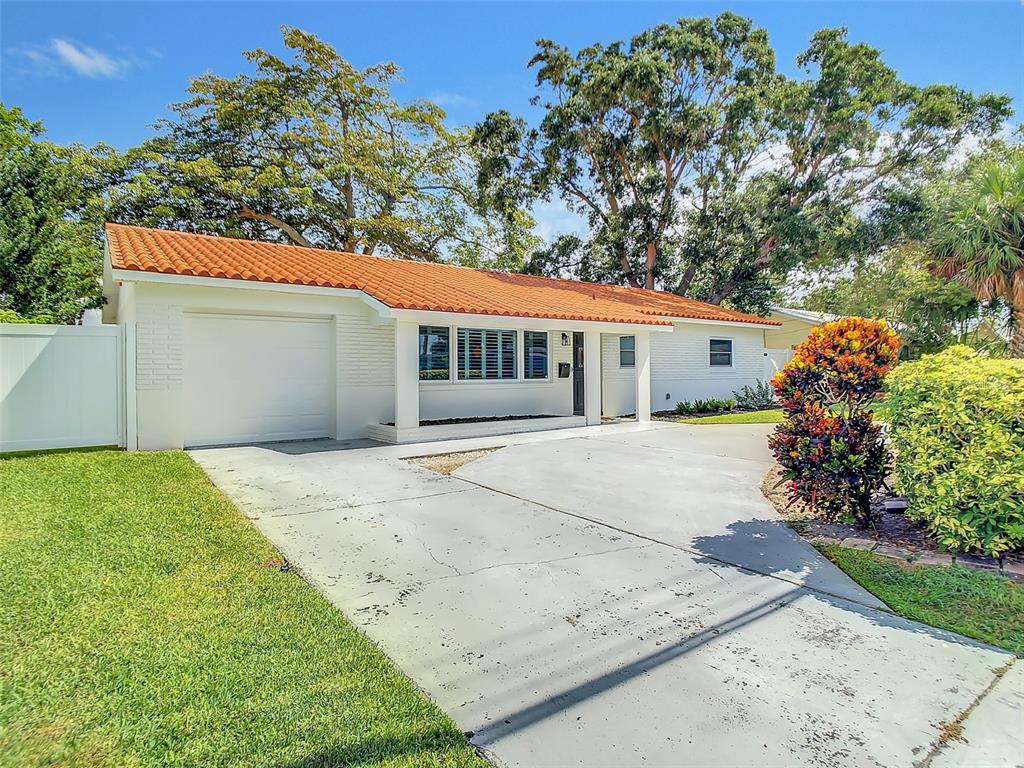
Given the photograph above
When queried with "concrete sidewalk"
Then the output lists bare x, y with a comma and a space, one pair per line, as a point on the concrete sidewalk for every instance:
619, 596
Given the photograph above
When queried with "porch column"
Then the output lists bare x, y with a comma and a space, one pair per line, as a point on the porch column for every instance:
407, 375
592, 376
643, 376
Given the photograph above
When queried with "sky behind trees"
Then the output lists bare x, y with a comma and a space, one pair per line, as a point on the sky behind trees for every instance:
106, 71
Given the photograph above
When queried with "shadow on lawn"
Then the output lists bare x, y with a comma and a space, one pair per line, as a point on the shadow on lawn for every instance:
770, 547
436, 744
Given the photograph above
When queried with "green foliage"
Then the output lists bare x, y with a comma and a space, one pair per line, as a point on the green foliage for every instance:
829, 447
979, 239
311, 150
50, 251
757, 397
775, 171
10, 316
147, 623
970, 602
957, 427
930, 311
710, 405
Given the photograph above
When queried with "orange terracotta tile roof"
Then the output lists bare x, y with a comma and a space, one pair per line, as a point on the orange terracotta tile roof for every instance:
400, 283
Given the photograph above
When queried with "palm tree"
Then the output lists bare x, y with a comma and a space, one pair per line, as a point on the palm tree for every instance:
980, 239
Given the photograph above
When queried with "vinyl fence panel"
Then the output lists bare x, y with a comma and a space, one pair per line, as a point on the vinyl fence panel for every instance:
60, 386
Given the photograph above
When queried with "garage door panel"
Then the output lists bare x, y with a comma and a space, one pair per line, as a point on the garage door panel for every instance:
252, 379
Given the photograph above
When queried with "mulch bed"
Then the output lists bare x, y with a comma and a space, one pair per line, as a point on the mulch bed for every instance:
893, 534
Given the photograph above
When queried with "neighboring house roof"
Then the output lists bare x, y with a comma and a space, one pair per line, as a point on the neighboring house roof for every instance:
403, 284
817, 318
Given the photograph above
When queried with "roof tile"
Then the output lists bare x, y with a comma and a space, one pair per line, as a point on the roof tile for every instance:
403, 284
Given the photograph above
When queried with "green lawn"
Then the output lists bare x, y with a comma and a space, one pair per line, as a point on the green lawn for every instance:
145, 622
773, 416
974, 603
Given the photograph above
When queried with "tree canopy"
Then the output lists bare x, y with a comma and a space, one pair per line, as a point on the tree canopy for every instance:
316, 152
978, 239
701, 169
50, 249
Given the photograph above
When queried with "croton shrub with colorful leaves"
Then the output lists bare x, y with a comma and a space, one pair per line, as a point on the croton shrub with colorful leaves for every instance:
956, 422
829, 447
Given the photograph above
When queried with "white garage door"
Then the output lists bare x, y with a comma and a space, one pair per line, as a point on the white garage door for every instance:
253, 379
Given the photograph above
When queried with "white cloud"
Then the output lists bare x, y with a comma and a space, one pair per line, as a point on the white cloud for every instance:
448, 99
552, 218
61, 58
88, 61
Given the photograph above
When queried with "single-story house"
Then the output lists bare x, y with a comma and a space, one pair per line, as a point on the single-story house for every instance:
232, 341
793, 327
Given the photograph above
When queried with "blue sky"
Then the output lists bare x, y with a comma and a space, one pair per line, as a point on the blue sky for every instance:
106, 71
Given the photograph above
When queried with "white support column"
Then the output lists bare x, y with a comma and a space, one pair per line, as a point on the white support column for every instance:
592, 376
643, 376
407, 375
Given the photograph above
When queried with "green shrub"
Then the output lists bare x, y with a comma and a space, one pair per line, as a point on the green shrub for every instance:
957, 425
710, 405
10, 316
755, 398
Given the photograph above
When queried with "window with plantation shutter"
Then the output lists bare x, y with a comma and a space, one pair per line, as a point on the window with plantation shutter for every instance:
535, 354
486, 354
435, 354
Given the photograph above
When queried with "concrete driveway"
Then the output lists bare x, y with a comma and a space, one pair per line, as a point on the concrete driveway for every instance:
621, 595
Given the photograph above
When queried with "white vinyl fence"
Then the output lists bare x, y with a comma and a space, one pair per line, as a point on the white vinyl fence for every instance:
60, 386
774, 360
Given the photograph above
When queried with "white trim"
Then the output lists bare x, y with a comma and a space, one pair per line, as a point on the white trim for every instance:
732, 323
433, 432
499, 322
134, 275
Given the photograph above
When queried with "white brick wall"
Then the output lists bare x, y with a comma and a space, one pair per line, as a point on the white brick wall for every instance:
366, 351
681, 368
159, 333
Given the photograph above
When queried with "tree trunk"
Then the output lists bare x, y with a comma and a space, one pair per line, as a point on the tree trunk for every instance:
652, 256
293, 234
1017, 333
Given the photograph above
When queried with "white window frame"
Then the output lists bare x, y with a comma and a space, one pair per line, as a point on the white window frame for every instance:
547, 348
732, 351
633, 350
451, 355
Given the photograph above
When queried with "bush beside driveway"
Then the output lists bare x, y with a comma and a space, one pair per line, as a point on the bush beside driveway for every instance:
145, 622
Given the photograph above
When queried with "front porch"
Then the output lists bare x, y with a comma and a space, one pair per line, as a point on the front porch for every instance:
477, 376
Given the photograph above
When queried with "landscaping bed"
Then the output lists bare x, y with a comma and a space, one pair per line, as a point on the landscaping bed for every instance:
892, 535
147, 623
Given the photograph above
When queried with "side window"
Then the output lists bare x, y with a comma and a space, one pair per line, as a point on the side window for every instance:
721, 352
435, 354
627, 351
535, 354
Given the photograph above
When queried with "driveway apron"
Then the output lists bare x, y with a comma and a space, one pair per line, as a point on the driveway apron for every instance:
617, 596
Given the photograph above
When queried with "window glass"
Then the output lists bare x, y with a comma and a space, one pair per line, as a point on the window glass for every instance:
434, 353
721, 352
486, 354
535, 354
627, 351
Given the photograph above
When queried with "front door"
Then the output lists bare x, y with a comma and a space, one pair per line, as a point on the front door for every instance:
578, 387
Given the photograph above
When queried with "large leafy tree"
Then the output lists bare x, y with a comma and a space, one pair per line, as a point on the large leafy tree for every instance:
704, 171
979, 239
897, 285
50, 249
314, 151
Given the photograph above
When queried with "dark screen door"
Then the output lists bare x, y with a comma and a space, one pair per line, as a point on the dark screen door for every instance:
578, 388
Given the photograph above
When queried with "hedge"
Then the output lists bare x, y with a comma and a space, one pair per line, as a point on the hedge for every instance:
957, 427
